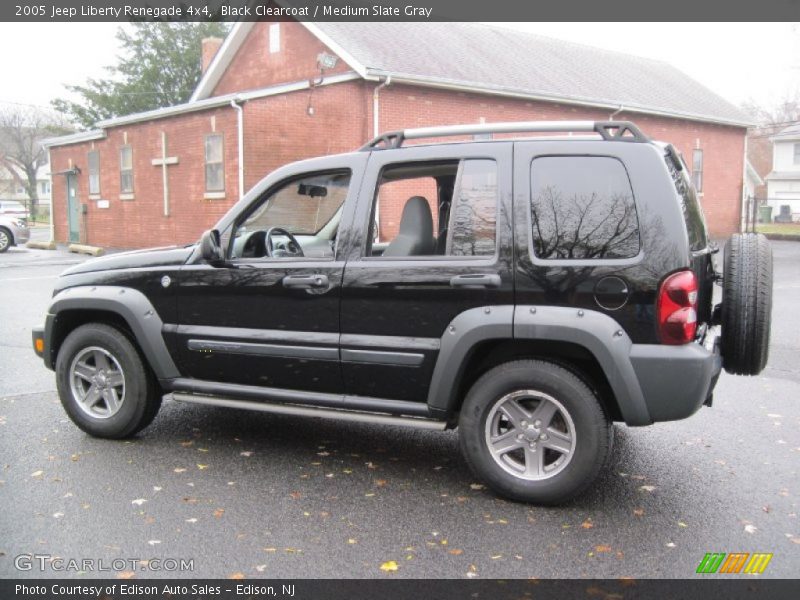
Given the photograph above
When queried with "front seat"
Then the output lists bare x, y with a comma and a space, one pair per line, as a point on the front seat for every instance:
416, 230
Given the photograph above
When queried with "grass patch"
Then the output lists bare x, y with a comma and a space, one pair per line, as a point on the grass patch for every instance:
780, 228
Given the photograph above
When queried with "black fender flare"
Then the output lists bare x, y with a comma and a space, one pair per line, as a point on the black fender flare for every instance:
130, 304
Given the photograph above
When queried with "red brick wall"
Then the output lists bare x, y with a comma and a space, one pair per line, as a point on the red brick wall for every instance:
140, 222
723, 146
254, 67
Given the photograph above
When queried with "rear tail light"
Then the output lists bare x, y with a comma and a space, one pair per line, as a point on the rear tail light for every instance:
676, 309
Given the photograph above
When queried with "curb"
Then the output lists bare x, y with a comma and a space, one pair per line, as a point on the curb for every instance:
82, 249
783, 237
51, 245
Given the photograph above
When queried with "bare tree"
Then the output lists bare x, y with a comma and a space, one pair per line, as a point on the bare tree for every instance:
776, 117
21, 153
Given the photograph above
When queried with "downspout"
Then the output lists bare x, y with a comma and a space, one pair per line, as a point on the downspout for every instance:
376, 105
52, 201
240, 133
616, 112
375, 127
743, 217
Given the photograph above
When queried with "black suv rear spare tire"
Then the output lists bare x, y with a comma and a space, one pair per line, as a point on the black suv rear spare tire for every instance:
746, 304
534, 432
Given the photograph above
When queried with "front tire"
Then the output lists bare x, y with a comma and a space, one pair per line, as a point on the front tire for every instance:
534, 432
103, 383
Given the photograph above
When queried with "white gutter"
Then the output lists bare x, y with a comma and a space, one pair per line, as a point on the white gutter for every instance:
240, 143
376, 105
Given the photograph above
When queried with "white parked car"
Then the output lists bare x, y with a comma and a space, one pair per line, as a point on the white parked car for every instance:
13, 231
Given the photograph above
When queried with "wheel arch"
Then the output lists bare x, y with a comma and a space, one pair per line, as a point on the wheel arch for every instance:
125, 308
589, 343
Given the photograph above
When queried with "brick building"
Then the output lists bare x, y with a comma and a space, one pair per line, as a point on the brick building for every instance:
272, 93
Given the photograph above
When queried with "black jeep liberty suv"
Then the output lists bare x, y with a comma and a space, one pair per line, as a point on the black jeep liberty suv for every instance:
529, 290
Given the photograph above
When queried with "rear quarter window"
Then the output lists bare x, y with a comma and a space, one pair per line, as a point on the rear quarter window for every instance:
690, 206
582, 208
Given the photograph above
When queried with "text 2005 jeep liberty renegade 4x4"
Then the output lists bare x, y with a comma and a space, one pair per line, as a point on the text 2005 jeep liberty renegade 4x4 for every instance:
534, 291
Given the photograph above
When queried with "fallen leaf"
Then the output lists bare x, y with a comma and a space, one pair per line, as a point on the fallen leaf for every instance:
323, 453
587, 524
154, 542
126, 575
179, 470
75, 457
237, 575
647, 488
138, 501
202, 449
389, 566
456, 552
261, 568
58, 515
296, 495
682, 524
477, 486
37, 473
192, 520
496, 556
270, 550
794, 539
157, 488
750, 528
639, 512
670, 545
246, 454
380, 482
352, 541
602, 548
219, 512
202, 467
766, 508
187, 444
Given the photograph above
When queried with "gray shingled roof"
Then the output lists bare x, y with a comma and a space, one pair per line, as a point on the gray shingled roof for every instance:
503, 60
790, 132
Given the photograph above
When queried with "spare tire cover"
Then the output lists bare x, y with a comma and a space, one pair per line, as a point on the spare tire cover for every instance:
746, 304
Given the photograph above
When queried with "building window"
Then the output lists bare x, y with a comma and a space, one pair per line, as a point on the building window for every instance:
126, 170
215, 168
94, 172
274, 38
697, 169
797, 154
44, 188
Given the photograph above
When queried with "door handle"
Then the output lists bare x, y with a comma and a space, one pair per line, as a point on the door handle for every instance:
305, 282
491, 280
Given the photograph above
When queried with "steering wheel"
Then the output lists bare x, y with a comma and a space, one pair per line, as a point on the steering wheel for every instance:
292, 248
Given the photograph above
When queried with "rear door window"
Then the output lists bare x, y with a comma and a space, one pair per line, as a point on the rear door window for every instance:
582, 208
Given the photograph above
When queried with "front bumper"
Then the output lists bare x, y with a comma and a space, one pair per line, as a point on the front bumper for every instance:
21, 234
676, 380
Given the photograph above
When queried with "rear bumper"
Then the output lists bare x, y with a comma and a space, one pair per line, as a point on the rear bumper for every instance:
676, 380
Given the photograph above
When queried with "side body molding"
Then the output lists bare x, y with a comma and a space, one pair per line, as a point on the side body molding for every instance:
128, 303
461, 336
599, 334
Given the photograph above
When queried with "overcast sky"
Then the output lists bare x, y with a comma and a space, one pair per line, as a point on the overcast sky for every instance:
739, 61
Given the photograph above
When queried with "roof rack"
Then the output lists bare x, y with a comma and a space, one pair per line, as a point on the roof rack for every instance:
620, 131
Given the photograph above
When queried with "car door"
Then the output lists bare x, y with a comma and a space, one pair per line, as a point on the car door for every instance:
273, 321
400, 295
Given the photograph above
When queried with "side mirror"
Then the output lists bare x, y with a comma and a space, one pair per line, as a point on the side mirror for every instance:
211, 247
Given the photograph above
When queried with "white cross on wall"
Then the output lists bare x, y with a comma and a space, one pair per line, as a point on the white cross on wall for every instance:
164, 162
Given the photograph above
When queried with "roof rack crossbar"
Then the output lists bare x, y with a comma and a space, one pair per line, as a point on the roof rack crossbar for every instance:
622, 131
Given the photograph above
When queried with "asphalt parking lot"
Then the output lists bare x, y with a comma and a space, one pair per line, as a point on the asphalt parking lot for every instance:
256, 495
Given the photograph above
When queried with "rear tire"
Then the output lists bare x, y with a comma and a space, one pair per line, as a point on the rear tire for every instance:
746, 304
534, 432
104, 384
